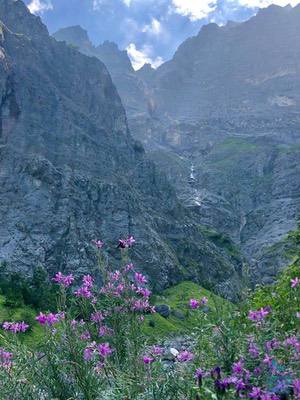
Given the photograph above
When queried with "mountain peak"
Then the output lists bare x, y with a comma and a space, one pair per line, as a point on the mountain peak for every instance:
17, 17
74, 35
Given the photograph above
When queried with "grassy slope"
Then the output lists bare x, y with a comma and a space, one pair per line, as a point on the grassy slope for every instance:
177, 298
20, 314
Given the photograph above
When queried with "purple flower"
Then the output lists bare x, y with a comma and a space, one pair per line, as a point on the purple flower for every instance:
129, 267
295, 282
144, 292
255, 393
87, 281
49, 319
204, 301
185, 356
298, 314
5, 358
104, 349
130, 241
88, 353
259, 315
268, 360
296, 388
253, 350
15, 327
148, 360
105, 331
199, 373
126, 243
194, 304
83, 292
157, 350
97, 316
140, 278
216, 373
65, 280
98, 243
41, 318
85, 335
238, 367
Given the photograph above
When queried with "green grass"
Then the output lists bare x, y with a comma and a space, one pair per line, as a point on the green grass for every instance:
177, 298
23, 313
221, 240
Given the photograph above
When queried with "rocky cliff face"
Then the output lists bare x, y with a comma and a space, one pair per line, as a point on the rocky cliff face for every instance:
70, 170
228, 106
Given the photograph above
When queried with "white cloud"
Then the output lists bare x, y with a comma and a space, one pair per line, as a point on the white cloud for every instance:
194, 9
266, 3
40, 6
127, 2
154, 28
143, 56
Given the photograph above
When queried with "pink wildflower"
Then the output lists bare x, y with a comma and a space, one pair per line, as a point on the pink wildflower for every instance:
15, 327
295, 282
65, 280
104, 349
140, 278
194, 304
185, 356
204, 301
98, 243
148, 360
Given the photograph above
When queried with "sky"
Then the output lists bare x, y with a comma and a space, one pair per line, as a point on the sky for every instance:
150, 30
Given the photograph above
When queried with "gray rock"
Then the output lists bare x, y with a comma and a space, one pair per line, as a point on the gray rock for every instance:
163, 310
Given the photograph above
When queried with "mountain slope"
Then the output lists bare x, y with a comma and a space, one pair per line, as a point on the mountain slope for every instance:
70, 170
228, 106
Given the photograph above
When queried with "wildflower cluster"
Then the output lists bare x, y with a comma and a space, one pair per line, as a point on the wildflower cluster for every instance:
94, 347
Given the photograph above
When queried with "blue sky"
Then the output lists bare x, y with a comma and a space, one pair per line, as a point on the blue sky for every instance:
151, 30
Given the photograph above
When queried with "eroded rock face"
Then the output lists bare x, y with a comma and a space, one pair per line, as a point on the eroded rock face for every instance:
228, 104
71, 172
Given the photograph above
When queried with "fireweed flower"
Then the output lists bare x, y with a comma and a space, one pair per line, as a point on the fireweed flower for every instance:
49, 319
148, 360
65, 280
104, 350
253, 349
85, 335
140, 278
129, 267
238, 367
143, 291
295, 282
5, 359
105, 331
259, 315
296, 388
87, 281
15, 327
204, 301
126, 243
255, 393
194, 304
157, 350
185, 356
97, 316
98, 243
88, 353
83, 292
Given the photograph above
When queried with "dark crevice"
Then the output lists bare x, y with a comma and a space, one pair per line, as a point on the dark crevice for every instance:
9, 103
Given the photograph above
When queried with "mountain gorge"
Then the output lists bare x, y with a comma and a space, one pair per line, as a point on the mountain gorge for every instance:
222, 119
70, 171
